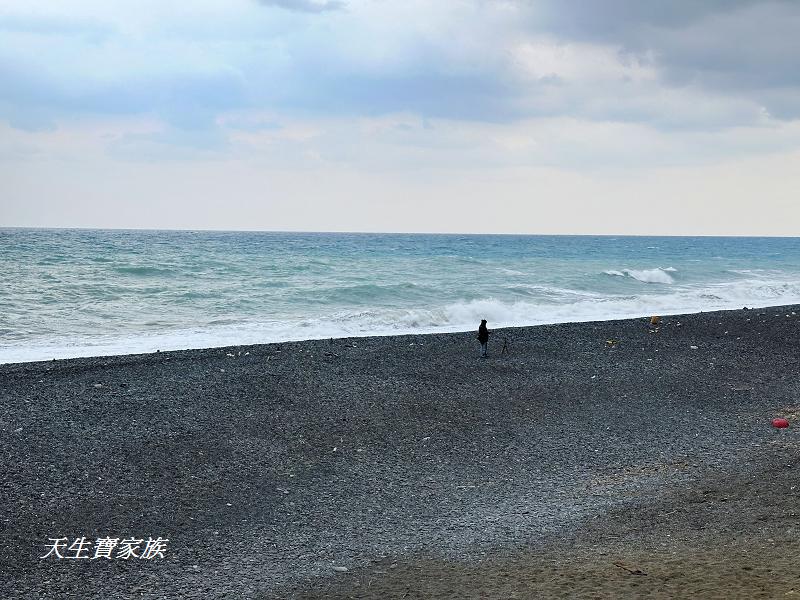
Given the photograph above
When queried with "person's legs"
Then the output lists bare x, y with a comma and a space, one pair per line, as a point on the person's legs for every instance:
483, 349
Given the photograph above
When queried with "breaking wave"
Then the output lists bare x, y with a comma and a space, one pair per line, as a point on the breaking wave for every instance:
657, 275
450, 317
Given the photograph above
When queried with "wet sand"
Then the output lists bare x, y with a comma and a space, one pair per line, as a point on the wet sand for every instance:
599, 460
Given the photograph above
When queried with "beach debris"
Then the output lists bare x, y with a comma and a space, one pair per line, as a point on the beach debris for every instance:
230, 354
340, 569
655, 320
780, 423
505, 346
633, 571
694, 347
611, 343
98, 385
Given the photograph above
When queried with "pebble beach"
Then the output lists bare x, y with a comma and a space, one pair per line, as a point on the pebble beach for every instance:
602, 459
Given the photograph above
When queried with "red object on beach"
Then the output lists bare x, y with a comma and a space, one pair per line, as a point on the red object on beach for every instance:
780, 423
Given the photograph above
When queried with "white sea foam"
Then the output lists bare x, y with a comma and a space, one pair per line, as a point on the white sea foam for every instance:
657, 275
450, 317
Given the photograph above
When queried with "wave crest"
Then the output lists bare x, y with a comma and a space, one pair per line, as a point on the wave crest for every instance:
657, 275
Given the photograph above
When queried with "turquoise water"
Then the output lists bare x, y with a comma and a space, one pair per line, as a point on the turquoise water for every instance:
91, 292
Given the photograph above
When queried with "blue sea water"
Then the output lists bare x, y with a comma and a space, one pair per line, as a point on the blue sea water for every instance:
67, 293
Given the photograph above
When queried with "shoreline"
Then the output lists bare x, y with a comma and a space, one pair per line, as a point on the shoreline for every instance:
406, 465
386, 335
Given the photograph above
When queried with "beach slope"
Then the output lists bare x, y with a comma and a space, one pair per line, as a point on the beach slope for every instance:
598, 459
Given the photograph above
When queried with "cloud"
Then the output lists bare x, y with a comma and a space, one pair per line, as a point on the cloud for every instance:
89, 29
743, 49
672, 67
310, 6
33, 98
622, 21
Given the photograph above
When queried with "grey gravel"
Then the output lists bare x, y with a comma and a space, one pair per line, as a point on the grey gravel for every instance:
272, 467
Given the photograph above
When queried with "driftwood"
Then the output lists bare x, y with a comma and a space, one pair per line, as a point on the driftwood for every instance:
629, 570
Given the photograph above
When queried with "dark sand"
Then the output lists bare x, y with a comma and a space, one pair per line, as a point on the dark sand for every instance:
565, 468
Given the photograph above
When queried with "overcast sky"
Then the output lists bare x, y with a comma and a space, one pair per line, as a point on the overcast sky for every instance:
510, 116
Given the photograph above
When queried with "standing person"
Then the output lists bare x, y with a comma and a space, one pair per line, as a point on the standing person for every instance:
483, 337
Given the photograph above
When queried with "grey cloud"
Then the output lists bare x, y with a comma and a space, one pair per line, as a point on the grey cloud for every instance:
310, 6
718, 62
744, 48
624, 20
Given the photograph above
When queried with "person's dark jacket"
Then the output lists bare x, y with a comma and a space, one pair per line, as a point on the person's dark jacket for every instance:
483, 334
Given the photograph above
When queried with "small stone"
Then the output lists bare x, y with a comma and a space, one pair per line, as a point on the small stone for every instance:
693, 347
98, 385
340, 569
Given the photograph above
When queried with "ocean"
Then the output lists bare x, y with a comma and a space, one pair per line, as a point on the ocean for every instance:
69, 293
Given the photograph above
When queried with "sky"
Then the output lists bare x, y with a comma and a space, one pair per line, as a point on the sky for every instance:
679, 117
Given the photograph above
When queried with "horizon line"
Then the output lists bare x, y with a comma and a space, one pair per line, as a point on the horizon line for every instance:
420, 233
